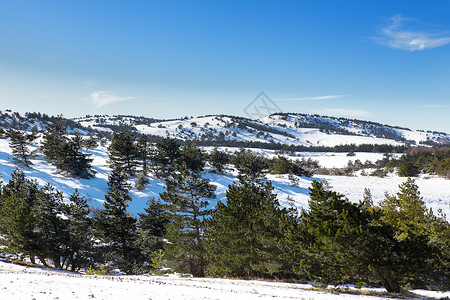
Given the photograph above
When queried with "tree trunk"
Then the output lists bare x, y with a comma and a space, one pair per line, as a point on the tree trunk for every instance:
391, 284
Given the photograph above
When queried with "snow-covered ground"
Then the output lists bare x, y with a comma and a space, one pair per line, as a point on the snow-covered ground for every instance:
21, 282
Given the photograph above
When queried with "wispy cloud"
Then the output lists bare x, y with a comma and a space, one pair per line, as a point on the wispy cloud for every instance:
399, 34
329, 97
434, 105
355, 113
102, 98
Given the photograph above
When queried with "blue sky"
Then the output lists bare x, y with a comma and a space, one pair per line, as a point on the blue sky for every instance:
386, 61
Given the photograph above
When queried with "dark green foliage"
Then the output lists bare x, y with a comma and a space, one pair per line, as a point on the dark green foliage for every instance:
118, 180
218, 160
282, 165
347, 242
420, 159
64, 152
79, 250
192, 157
167, 155
72, 160
117, 229
243, 233
16, 221
187, 195
152, 226
48, 227
18, 143
145, 153
123, 153
54, 139
249, 163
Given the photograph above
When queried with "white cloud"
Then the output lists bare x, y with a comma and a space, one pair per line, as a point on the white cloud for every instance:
102, 98
329, 97
355, 113
434, 105
398, 34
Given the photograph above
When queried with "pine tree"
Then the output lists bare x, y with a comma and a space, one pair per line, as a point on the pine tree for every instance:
249, 163
167, 155
49, 228
117, 229
346, 242
192, 157
54, 138
145, 153
72, 160
18, 143
123, 153
80, 239
118, 180
152, 227
17, 199
218, 160
243, 233
187, 195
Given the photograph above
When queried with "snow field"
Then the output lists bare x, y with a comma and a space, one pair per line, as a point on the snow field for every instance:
20, 283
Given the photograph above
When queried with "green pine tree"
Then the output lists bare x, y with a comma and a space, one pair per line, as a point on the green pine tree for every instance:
123, 153
117, 230
243, 234
19, 142
187, 195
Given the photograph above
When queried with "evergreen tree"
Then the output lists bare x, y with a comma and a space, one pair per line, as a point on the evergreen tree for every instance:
249, 163
192, 157
123, 153
17, 199
118, 180
167, 155
79, 246
49, 228
243, 234
54, 138
186, 195
18, 143
347, 242
72, 160
117, 229
218, 160
282, 165
152, 227
145, 153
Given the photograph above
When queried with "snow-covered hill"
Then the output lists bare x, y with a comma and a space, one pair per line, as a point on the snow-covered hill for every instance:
288, 129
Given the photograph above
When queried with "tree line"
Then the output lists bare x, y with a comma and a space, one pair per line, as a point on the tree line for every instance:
394, 244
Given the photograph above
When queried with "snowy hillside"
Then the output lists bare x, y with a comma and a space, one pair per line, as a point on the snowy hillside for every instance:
288, 129
277, 128
436, 191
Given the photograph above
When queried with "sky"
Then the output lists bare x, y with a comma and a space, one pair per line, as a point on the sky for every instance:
383, 61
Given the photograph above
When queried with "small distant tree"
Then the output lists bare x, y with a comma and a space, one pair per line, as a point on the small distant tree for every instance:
192, 157
218, 160
19, 142
249, 163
